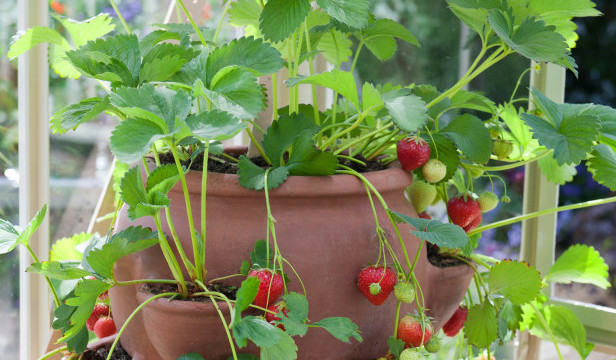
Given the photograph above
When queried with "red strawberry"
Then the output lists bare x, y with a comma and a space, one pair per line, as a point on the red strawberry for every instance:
270, 288
465, 213
410, 331
99, 311
376, 283
425, 215
278, 307
104, 327
456, 322
413, 153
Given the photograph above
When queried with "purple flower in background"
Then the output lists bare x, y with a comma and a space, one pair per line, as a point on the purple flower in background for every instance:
129, 10
514, 235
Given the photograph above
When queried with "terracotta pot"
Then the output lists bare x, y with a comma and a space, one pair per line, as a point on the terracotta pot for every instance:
325, 228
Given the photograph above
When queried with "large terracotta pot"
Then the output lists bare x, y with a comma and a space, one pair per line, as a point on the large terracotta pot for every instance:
324, 227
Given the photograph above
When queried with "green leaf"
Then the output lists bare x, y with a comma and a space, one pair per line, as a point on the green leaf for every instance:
480, 328
447, 153
516, 280
395, 346
58, 270
371, 98
191, 356
244, 13
70, 117
558, 174
186, 33
261, 256
306, 160
245, 296
551, 110
163, 61
602, 164
214, 125
253, 54
284, 349
116, 59
471, 136
8, 236
605, 114
520, 131
162, 179
85, 297
353, 13
408, 111
380, 38
511, 315
427, 93
236, 91
335, 47
133, 138
33, 225
341, 328
65, 248
581, 264
25, 40
294, 321
244, 356
257, 330
280, 18
342, 82
531, 39
90, 29
433, 231
252, 176
102, 260
132, 191
283, 132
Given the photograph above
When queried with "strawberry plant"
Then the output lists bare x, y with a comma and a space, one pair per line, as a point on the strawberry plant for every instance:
176, 102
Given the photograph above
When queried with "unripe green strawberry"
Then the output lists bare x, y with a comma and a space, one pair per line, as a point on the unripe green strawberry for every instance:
434, 345
404, 292
411, 354
502, 148
488, 201
506, 199
434, 171
421, 194
375, 288
475, 173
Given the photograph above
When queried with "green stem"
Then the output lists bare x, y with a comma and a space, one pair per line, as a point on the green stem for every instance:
315, 100
547, 328
509, 166
120, 17
385, 144
222, 318
224, 278
257, 145
144, 281
132, 315
53, 352
222, 16
542, 212
203, 203
194, 25
517, 85
168, 254
359, 48
53, 291
275, 96
191, 222
362, 138
347, 130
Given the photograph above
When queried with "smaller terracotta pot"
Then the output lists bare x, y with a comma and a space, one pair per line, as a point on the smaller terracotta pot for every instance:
178, 327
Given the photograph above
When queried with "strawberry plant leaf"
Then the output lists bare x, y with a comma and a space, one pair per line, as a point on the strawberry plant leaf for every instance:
245, 296
474, 12
433, 231
70, 117
353, 13
257, 330
408, 111
133, 138
371, 98
65, 248
245, 268
283, 133
558, 174
532, 39
236, 91
480, 328
253, 54
244, 13
297, 304
472, 100
581, 264
427, 93
193, 70
191, 356
87, 30
61, 270
102, 260
252, 176
551, 110
515, 280
63, 313
335, 47
511, 314
307, 161
85, 297
8, 236
341, 328
284, 349
214, 125
605, 114
244, 356
395, 346
380, 37
471, 136
447, 154
261, 256
602, 164
520, 131
185, 32
132, 191
163, 61
162, 179
563, 324
116, 59
33, 225
342, 82
280, 18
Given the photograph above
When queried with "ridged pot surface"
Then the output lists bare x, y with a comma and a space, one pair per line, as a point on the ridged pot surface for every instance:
324, 227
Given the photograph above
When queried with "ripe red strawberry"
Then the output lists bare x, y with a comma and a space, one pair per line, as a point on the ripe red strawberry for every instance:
376, 283
278, 307
270, 288
456, 322
410, 331
99, 311
413, 153
104, 327
421, 194
464, 212
434, 171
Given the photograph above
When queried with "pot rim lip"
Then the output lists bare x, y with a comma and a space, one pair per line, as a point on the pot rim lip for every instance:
179, 306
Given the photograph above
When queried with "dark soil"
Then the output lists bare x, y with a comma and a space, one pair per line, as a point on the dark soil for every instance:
223, 166
441, 260
101, 353
227, 290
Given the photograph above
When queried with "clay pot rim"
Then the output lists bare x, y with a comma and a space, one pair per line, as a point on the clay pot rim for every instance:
176, 307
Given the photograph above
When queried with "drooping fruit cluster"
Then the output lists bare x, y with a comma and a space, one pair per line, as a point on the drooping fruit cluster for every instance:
464, 212
413, 153
411, 331
271, 286
453, 326
376, 283
101, 321
277, 308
